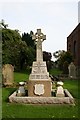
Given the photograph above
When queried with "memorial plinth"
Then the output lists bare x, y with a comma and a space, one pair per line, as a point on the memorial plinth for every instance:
39, 81
39, 85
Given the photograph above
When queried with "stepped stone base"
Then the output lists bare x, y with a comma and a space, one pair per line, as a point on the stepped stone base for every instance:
43, 100
39, 71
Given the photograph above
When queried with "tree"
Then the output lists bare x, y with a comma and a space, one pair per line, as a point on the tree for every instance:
65, 67
3, 25
47, 57
31, 47
14, 49
63, 57
58, 53
31, 56
28, 39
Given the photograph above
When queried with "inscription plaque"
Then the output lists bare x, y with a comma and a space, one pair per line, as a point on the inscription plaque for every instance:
39, 89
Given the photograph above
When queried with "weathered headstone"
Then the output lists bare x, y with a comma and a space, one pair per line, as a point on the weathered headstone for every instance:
39, 77
72, 70
60, 90
21, 89
7, 74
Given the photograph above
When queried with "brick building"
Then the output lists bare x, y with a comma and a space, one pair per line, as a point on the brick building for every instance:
73, 45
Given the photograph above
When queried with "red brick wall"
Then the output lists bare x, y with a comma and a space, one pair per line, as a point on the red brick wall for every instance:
73, 45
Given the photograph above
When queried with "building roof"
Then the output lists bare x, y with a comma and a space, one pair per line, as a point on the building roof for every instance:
75, 30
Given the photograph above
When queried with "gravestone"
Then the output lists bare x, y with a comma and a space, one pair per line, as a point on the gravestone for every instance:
72, 70
7, 74
21, 89
39, 81
60, 90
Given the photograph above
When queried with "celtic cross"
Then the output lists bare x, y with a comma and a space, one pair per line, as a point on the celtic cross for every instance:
39, 38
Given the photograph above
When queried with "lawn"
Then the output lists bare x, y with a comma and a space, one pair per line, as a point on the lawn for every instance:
14, 110
21, 76
0, 102
55, 72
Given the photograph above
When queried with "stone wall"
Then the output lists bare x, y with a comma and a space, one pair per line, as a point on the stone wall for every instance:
73, 46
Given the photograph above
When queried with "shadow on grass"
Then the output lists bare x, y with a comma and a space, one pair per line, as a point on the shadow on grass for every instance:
10, 91
27, 71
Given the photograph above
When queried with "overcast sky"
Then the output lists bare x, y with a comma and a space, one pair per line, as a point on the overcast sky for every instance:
56, 18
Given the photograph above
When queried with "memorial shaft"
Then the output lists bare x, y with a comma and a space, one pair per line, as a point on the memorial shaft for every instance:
39, 52
39, 38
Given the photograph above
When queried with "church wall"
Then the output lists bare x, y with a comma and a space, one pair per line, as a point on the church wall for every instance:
73, 45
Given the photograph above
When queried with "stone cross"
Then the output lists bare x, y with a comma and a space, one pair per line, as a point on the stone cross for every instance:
39, 38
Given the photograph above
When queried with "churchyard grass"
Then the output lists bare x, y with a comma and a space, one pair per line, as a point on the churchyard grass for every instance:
55, 72
16, 110
0, 102
18, 77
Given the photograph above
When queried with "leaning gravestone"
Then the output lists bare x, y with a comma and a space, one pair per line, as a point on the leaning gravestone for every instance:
72, 70
39, 81
7, 74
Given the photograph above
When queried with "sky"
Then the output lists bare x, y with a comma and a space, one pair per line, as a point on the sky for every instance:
79, 12
56, 18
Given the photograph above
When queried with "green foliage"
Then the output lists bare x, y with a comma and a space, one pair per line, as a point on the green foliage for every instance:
66, 57
30, 56
9, 35
2, 24
28, 39
16, 51
65, 67
20, 51
63, 60
57, 54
